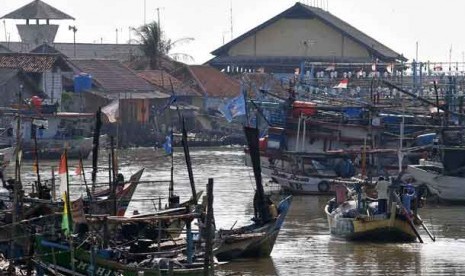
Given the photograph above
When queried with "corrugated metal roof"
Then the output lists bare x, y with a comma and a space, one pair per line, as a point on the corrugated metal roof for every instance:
214, 82
31, 63
112, 75
303, 11
121, 52
4, 49
37, 10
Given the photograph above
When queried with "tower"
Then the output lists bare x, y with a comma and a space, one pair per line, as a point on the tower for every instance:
36, 34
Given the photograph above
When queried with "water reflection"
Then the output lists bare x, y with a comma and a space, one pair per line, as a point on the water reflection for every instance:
253, 267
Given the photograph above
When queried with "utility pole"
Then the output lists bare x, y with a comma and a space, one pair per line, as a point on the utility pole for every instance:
74, 29
116, 35
158, 18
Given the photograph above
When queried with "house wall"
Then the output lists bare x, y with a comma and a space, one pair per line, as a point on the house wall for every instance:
299, 37
51, 84
9, 92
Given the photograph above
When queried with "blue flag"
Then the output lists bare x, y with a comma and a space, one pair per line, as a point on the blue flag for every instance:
233, 108
168, 145
168, 103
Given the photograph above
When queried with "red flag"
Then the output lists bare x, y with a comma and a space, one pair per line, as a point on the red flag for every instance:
342, 84
62, 171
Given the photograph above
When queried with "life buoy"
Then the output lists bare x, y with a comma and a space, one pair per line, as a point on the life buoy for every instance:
323, 186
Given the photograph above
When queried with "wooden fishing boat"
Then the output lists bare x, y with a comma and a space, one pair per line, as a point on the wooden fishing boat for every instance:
251, 241
392, 227
257, 239
57, 256
443, 176
104, 204
363, 219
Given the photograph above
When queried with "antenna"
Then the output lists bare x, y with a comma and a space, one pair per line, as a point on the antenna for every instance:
4, 26
231, 18
158, 18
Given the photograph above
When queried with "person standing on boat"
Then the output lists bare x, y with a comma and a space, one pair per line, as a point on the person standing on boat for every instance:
382, 190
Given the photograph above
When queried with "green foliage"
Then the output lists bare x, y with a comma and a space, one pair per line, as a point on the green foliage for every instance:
154, 45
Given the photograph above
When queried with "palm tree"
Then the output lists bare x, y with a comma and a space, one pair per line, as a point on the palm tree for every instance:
155, 46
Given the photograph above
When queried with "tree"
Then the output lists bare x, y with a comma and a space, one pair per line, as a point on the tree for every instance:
155, 46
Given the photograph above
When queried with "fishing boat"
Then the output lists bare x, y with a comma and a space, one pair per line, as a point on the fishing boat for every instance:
308, 173
391, 218
103, 203
443, 172
447, 188
257, 239
57, 131
173, 257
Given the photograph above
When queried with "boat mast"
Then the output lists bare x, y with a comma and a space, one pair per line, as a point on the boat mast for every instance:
17, 183
185, 146
171, 188
252, 141
95, 146
36, 157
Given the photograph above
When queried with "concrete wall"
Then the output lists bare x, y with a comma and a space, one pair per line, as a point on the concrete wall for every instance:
37, 34
299, 37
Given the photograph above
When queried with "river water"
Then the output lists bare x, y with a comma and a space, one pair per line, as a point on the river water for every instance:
304, 246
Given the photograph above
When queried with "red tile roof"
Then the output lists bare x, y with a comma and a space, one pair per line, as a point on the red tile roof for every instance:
160, 79
112, 75
31, 63
213, 82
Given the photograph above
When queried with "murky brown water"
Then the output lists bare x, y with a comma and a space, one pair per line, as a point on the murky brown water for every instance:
304, 246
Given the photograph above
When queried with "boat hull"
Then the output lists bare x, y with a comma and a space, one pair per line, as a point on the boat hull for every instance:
448, 189
251, 241
373, 228
82, 260
301, 185
53, 148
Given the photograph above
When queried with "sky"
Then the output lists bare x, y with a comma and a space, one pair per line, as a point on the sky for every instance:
435, 26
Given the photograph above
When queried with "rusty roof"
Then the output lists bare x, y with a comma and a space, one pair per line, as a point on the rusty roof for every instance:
160, 78
37, 10
112, 75
213, 82
32, 63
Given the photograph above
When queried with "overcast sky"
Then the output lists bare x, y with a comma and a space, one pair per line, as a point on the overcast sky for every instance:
399, 24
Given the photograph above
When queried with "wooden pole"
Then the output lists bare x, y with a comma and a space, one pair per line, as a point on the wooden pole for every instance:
208, 261
54, 192
36, 156
95, 146
112, 187
190, 245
